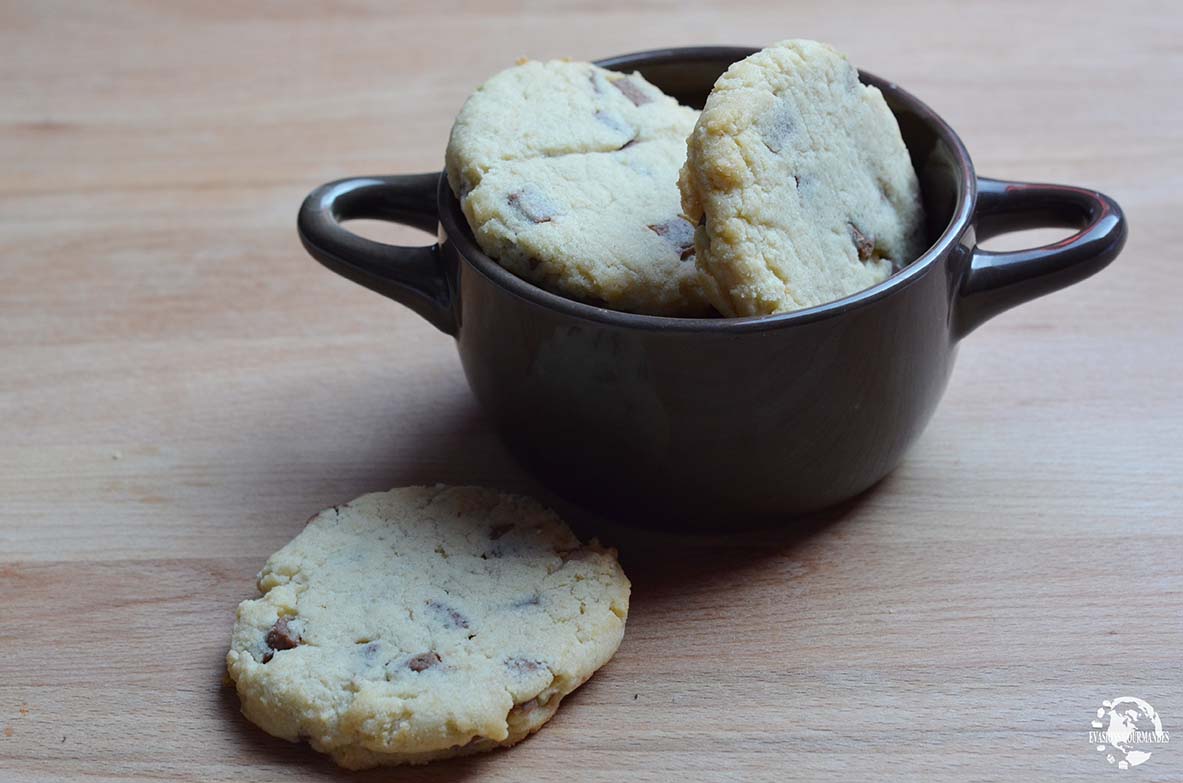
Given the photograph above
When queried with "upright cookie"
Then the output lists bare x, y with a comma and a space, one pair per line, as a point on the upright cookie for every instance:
799, 182
423, 623
568, 173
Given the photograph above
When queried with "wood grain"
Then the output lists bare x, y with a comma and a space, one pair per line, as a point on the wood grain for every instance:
180, 387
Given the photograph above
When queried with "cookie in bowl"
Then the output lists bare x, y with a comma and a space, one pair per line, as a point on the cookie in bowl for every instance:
567, 174
799, 182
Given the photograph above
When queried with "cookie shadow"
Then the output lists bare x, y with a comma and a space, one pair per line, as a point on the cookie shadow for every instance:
350, 442
452, 442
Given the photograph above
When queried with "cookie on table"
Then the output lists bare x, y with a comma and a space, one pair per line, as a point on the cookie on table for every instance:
567, 174
799, 183
424, 623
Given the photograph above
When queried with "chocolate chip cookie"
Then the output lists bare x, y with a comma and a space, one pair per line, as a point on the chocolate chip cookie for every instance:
799, 183
568, 173
423, 623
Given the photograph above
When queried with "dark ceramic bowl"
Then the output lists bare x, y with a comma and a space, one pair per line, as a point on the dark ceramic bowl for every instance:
719, 422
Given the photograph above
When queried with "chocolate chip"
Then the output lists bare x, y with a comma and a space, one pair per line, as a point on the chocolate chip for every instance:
627, 144
533, 204
523, 666
865, 246
423, 661
280, 637
497, 531
449, 616
678, 232
631, 91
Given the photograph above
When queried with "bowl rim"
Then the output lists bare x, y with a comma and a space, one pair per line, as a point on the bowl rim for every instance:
457, 230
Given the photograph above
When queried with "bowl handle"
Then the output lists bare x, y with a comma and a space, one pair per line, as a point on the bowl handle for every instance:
997, 281
412, 276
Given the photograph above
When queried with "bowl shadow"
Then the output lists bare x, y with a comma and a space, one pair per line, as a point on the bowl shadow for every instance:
457, 445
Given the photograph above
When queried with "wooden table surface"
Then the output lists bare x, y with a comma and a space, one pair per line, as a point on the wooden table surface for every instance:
180, 387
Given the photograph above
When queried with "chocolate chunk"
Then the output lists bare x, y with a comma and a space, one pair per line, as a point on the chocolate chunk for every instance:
865, 246
523, 666
679, 233
423, 661
627, 144
280, 637
497, 531
449, 616
631, 91
533, 204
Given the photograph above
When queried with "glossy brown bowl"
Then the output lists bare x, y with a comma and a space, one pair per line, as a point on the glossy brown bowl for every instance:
710, 423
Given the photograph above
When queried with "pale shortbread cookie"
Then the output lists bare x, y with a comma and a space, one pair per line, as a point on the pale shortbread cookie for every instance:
799, 182
423, 623
603, 228
568, 173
